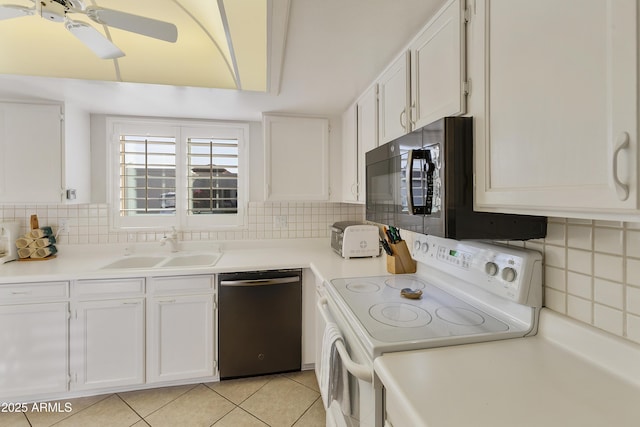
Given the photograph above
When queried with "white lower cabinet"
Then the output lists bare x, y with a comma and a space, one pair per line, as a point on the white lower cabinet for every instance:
181, 328
107, 344
33, 349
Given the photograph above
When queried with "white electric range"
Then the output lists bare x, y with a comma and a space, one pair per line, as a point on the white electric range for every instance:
470, 292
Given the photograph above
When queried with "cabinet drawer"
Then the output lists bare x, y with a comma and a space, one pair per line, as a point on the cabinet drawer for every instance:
108, 288
182, 284
21, 292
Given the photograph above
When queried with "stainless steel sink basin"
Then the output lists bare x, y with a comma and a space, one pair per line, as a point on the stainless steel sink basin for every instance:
176, 260
136, 262
191, 260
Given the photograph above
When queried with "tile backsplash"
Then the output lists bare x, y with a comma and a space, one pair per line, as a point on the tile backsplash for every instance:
592, 268
89, 223
592, 273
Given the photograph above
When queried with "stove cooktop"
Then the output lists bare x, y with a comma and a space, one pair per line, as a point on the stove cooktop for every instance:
471, 292
389, 317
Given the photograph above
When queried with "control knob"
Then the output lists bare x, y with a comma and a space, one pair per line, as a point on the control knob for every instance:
509, 274
491, 268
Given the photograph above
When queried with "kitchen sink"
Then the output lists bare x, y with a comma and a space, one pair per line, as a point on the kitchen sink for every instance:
191, 260
136, 262
205, 259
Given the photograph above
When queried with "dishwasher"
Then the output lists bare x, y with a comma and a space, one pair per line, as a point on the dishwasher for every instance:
259, 322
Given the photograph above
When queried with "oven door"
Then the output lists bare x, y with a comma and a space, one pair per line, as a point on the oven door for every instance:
358, 409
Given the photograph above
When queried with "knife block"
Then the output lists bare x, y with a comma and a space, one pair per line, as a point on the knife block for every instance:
400, 262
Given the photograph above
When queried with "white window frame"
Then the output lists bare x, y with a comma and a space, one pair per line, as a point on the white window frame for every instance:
182, 129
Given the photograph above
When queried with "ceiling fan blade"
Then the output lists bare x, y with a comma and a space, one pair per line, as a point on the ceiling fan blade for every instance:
94, 40
133, 23
8, 11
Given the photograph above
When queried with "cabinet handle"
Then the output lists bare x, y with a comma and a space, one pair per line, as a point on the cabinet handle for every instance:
21, 293
354, 190
403, 119
622, 189
167, 301
131, 303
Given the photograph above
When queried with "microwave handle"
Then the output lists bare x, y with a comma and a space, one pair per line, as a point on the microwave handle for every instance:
408, 173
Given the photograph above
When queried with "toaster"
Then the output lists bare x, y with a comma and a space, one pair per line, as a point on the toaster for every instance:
352, 239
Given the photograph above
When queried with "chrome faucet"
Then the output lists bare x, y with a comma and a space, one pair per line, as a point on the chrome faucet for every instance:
172, 239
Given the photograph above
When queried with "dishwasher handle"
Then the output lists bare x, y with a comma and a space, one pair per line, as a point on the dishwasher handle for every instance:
260, 282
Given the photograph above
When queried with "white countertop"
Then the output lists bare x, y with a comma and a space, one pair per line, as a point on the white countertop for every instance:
85, 261
569, 374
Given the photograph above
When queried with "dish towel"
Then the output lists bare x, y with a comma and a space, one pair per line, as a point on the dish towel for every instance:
334, 378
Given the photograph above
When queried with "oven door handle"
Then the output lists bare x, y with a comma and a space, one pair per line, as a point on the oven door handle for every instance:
359, 371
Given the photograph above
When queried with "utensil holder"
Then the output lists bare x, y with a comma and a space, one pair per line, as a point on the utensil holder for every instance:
400, 262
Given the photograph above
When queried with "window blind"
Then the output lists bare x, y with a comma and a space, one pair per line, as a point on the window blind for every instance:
213, 176
147, 175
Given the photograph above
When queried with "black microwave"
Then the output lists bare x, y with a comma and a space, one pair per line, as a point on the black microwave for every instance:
423, 182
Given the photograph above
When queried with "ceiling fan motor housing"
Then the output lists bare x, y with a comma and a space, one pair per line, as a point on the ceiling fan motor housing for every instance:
53, 10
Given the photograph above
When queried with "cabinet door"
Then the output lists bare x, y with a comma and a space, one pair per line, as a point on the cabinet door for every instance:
438, 67
181, 338
30, 153
349, 155
393, 94
367, 112
556, 114
297, 158
107, 347
30, 335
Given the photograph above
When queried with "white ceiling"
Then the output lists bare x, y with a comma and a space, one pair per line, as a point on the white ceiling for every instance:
334, 49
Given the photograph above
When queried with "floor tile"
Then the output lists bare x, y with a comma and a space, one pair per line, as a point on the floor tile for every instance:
46, 419
239, 418
280, 402
13, 419
110, 412
314, 417
239, 390
144, 402
200, 406
306, 378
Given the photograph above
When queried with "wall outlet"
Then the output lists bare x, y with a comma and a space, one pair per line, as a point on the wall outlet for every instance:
280, 222
63, 225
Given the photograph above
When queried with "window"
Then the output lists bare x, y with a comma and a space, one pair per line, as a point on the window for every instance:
183, 174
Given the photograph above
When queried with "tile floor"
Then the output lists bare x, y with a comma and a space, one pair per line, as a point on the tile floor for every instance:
291, 399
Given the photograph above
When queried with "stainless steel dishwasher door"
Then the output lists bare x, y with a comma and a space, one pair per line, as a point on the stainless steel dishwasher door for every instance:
260, 322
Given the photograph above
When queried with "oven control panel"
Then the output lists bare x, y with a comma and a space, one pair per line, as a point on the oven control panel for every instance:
510, 272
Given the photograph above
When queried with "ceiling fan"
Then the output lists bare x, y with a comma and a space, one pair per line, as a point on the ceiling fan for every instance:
57, 11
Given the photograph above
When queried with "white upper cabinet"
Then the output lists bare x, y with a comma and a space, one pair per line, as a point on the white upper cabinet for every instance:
31, 153
555, 102
438, 67
427, 82
359, 135
394, 95
296, 158
349, 159
367, 134
44, 151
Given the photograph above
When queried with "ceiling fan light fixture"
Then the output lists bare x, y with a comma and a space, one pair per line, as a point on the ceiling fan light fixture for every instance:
94, 40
